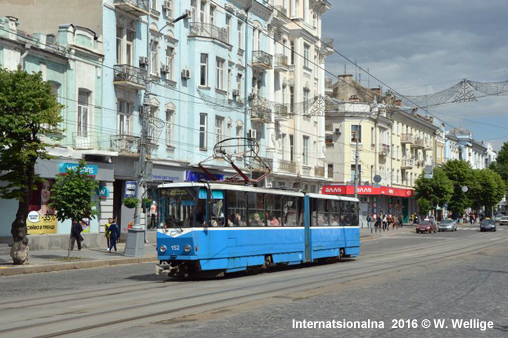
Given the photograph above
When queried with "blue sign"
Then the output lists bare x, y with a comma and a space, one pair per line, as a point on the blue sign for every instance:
90, 170
103, 192
130, 188
196, 176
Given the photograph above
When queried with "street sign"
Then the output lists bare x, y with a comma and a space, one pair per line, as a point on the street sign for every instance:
428, 176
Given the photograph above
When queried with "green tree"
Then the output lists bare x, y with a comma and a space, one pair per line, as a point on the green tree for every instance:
500, 166
461, 174
424, 206
28, 112
436, 190
71, 196
488, 189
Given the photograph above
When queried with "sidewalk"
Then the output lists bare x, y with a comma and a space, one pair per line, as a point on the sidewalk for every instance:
366, 233
56, 260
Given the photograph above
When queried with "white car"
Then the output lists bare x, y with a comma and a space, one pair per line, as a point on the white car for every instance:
447, 225
503, 220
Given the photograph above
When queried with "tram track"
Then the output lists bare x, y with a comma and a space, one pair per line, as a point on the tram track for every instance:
328, 277
123, 290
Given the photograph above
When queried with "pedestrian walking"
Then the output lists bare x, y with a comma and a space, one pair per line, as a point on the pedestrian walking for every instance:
384, 222
377, 224
401, 224
106, 230
114, 234
76, 229
153, 215
369, 219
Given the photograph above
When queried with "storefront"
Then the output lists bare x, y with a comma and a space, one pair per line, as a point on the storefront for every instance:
379, 200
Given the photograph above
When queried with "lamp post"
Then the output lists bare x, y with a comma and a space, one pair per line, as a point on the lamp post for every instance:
136, 236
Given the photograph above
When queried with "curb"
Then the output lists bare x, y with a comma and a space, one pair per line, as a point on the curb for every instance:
29, 269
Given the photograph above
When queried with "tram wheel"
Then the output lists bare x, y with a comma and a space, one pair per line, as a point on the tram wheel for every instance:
268, 262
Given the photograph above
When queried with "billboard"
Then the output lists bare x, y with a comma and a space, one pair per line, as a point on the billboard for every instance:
41, 218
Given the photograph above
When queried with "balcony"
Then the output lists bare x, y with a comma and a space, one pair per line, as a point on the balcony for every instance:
260, 114
319, 171
134, 7
281, 112
259, 167
406, 138
280, 63
281, 14
287, 166
384, 150
407, 163
105, 142
428, 145
207, 30
419, 142
262, 60
129, 77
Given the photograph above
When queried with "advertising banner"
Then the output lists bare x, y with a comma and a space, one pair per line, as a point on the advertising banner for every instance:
366, 190
41, 218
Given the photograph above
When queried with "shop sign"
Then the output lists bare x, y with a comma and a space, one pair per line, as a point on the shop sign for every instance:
103, 192
366, 190
196, 176
90, 170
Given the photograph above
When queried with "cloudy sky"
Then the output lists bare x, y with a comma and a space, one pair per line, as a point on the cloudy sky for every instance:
421, 47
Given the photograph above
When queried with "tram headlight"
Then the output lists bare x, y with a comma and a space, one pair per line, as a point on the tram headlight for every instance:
187, 248
163, 249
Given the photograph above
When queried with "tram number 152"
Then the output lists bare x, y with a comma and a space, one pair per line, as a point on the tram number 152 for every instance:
175, 247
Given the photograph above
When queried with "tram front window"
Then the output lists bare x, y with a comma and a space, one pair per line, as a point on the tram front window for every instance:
182, 208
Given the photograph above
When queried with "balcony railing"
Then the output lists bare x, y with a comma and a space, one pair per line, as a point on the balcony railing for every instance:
420, 142
319, 171
384, 150
129, 76
407, 163
406, 138
261, 59
260, 114
281, 112
281, 63
257, 166
207, 30
134, 7
287, 166
105, 142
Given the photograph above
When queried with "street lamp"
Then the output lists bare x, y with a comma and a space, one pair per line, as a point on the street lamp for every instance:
136, 236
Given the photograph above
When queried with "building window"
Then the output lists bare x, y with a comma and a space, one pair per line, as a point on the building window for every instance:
212, 15
154, 5
292, 58
170, 55
219, 129
292, 99
306, 101
283, 146
202, 131
221, 64
315, 66
168, 8
314, 20
239, 83
169, 127
353, 172
229, 28
83, 112
193, 10
203, 80
330, 170
306, 141
124, 117
306, 56
154, 58
291, 148
125, 46
356, 133
240, 35
202, 11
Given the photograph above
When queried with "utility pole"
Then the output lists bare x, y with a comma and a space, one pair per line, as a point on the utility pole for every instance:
136, 236
357, 151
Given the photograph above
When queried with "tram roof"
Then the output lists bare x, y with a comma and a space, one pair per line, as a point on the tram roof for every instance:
234, 187
333, 197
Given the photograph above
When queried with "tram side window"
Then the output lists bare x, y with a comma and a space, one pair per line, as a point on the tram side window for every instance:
237, 206
353, 207
291, 211
273, 210
334, 210
217, 208
256, 209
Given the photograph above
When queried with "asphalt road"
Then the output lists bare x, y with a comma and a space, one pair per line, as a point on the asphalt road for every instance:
400, 283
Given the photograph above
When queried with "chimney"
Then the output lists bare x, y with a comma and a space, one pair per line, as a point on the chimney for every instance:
376, 91
397, 102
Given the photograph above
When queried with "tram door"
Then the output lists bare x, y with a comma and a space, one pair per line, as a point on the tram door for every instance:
306, 223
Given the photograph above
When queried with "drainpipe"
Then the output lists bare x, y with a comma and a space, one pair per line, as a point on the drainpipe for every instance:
23, 56
245, 94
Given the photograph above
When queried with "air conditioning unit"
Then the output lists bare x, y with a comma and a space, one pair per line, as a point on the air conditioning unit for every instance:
186, 74
167, 5
164, 69
338, 130
236, 92
252, 133
143, 61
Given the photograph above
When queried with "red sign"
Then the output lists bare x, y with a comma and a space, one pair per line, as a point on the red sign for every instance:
365, 190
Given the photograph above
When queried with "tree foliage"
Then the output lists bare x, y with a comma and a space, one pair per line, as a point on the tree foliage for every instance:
500, 166
461, 174
424, 206
72, 193
487, 189
437, 190
28, 113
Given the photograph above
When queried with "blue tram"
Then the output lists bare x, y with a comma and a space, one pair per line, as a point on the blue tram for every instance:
215, 228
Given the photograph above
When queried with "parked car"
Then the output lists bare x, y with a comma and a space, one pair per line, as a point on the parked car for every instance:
488, 225
426, 226
503, 220
447, 225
